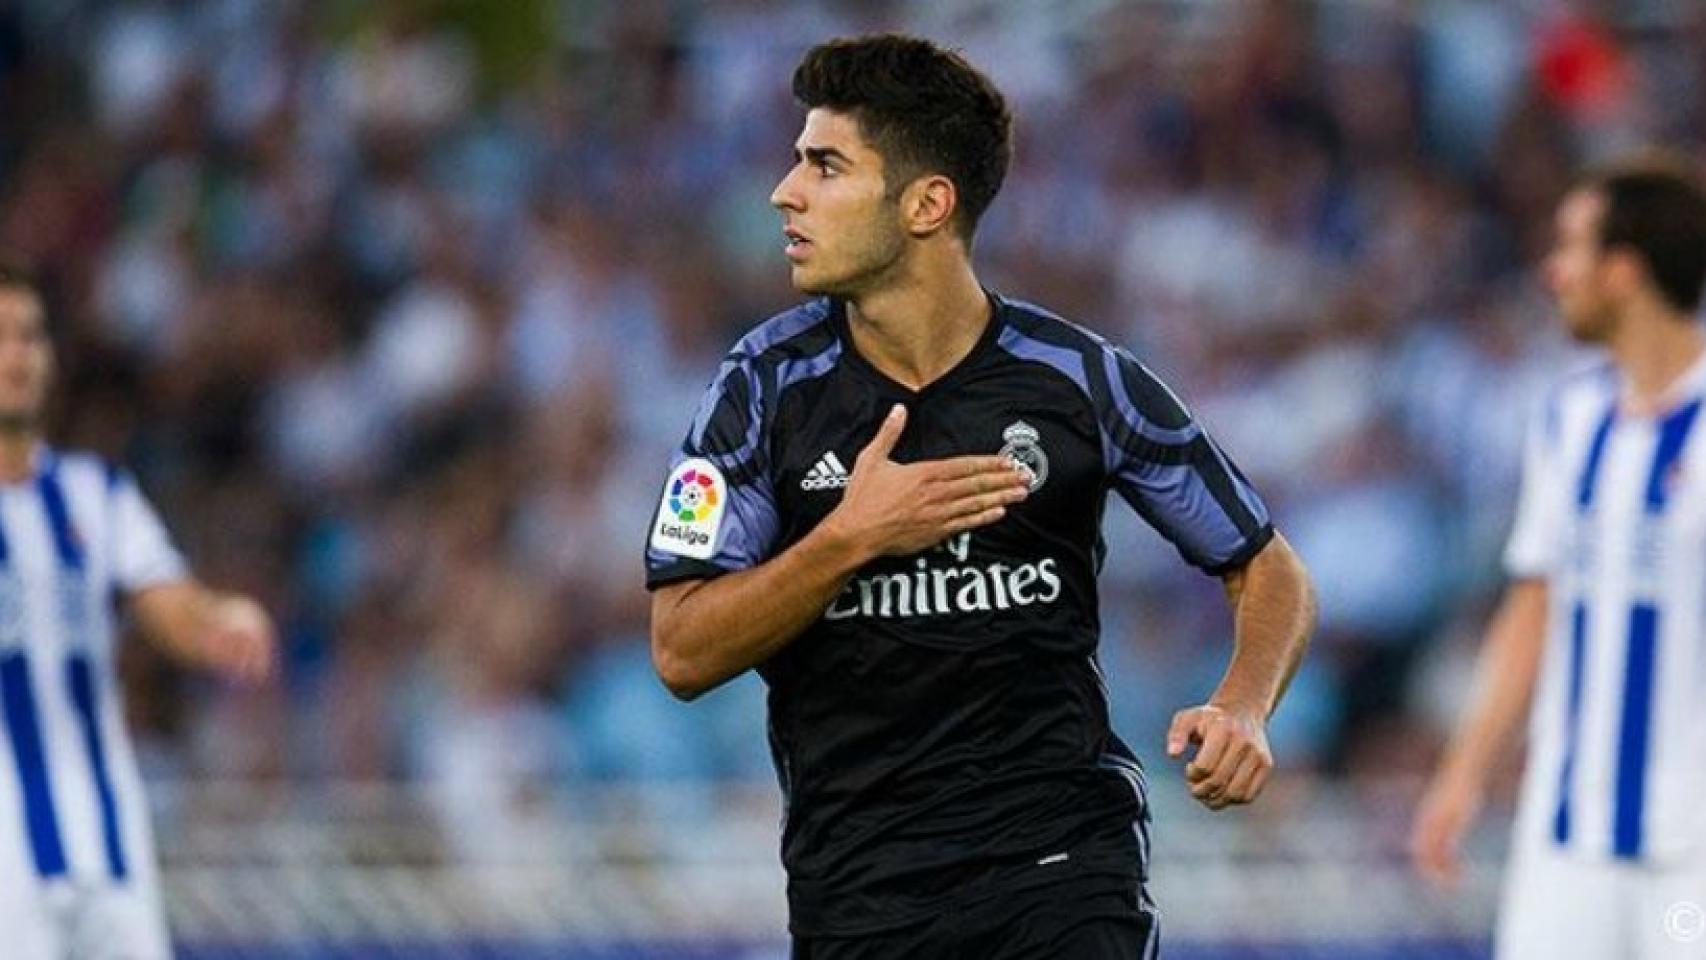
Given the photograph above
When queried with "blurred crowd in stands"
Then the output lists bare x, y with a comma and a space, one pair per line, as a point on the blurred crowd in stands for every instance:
398, 308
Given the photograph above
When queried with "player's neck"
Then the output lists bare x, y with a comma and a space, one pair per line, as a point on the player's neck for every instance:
17, 453
920, 326
1653, 351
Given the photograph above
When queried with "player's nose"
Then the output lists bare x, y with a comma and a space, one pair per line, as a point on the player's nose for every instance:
786, 196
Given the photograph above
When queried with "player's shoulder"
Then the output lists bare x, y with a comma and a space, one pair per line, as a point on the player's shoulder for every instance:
1574, 399
1029, 320
1036, 332
87, 467
1594, 378
790, 346
802, 330
1586, 385
1110, 374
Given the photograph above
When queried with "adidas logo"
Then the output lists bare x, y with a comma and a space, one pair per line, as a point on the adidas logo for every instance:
826, 474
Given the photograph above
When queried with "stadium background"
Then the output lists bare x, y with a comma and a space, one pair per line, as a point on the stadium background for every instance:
396, 309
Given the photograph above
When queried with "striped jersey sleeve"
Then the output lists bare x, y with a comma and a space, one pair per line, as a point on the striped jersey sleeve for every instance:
143, 552
1167, 467
1537, 537
717, 511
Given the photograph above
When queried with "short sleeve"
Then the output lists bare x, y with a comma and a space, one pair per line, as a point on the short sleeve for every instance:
1535, 542
1173, 474
143, 552
717, 511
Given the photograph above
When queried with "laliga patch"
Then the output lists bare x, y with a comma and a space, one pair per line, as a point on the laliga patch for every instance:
691, 511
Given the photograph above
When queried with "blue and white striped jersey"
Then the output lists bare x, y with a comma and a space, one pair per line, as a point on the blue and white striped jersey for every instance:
1613, 517
72, 537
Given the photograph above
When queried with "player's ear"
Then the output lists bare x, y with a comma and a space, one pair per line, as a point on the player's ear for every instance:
1624, 271
928, 203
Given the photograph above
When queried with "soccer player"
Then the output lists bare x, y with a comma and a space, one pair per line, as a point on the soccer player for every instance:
1606, 608
889, 504
77, 872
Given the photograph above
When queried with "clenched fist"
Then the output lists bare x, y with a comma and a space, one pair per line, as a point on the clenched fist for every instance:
238, 640
1232, 761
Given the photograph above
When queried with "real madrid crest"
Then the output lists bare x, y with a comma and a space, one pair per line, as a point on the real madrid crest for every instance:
1022, 449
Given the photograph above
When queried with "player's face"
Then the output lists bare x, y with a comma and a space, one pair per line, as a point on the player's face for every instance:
1575, 268
841, 225
26, 358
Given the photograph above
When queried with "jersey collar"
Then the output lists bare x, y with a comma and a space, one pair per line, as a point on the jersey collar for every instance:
986, 342
1689, 386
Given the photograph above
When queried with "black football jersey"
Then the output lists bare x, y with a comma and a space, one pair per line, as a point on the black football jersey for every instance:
941, 731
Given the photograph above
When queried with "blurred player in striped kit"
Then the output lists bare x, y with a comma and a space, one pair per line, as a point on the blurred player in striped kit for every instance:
77, 872
1604, 621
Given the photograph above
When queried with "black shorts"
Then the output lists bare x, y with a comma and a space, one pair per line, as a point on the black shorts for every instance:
1062, 922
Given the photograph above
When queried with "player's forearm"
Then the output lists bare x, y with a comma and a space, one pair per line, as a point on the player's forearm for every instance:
707, 632
1504, 684
1273, 606
176, 618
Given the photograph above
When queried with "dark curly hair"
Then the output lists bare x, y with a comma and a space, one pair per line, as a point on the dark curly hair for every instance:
922, 107
1655, 205
14, 275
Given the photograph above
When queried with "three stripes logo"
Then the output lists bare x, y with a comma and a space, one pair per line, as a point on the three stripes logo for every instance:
826, 474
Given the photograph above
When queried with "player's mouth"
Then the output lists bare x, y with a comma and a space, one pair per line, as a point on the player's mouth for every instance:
796, 245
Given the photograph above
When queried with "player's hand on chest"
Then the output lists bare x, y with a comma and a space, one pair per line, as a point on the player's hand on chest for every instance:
1059, 469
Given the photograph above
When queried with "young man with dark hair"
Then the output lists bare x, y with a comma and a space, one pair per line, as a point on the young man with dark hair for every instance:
77, 872
1605, 615
927, 621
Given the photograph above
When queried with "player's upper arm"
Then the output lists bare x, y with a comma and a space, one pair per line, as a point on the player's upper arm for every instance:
667, 597
717, 511
1530, 593
167, 612
1172, 473
1517, 633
